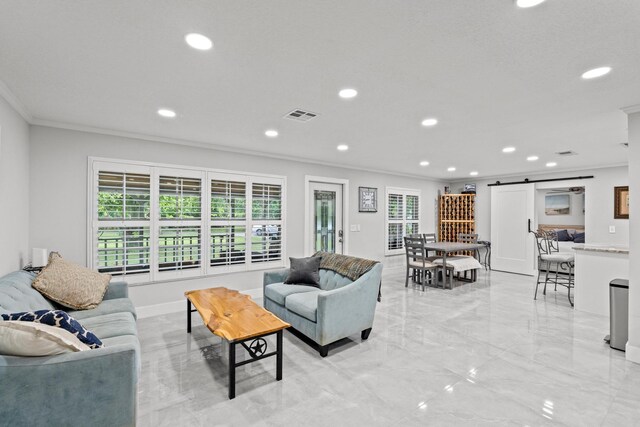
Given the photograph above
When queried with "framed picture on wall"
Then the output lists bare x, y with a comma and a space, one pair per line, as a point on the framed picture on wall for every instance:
368, 198
557, 204
621, 202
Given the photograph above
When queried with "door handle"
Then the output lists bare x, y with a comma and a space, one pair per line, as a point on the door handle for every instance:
529, 225
340, 236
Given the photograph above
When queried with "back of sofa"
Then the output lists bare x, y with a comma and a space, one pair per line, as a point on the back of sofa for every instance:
17, 295
330, 280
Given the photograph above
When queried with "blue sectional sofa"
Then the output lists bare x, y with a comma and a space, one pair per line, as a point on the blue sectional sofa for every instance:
339, 308
94, 387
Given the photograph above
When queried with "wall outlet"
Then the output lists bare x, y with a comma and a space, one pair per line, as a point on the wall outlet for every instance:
612, 229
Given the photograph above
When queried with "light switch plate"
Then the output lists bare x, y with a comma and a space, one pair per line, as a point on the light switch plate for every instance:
612, 229
353, 227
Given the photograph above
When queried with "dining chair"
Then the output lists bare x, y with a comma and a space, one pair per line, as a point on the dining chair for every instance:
416, 261
430, 238
550, 258
469, 238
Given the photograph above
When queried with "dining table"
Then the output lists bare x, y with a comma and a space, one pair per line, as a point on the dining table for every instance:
448, 247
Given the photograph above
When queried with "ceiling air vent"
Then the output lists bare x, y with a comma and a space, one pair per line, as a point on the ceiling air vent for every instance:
566, 153
300, 115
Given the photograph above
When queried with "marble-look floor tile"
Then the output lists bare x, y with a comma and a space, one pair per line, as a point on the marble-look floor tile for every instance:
481, 354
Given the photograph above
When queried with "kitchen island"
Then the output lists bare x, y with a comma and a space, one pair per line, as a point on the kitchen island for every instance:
595, 266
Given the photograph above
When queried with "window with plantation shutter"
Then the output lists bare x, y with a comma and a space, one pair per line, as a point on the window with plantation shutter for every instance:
266, 222
228, 223
158, 222
402, 218
122, 224
180, 227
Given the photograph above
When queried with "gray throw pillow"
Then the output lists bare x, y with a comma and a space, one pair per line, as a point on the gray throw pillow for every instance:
304, 271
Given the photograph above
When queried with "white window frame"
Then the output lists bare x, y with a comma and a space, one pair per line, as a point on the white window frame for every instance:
404, 192
155, 170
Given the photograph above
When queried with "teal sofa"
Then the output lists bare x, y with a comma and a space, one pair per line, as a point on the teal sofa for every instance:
339, 308
94, 387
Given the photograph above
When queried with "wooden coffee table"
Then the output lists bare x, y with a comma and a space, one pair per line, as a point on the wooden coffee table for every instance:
236, 318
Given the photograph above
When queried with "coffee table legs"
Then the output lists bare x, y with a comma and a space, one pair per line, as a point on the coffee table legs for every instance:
232, 370
189, 311
279, 356
257, 350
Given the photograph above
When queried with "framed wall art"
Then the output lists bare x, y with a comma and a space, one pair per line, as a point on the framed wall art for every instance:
368, 199
557, 204
621, 202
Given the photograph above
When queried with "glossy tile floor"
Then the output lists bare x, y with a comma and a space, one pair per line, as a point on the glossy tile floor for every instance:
482, 354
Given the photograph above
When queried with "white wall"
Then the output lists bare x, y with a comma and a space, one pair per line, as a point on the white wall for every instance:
633, 346
598, 202
59, 193
14, 189
575, 216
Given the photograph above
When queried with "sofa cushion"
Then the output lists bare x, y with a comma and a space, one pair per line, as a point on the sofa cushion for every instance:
60, 319
70, 284
304, 271
563, 236
304, 304
36, 339
17, 295
111, 325
330, 280
108, 306
278, 292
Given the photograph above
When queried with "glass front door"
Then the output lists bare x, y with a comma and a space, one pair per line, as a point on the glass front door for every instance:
325, 220
325, 217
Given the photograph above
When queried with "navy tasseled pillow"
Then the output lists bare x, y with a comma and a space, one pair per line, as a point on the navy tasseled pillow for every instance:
563, 236
59, 319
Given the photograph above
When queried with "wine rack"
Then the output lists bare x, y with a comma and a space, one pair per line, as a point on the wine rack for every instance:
456, 214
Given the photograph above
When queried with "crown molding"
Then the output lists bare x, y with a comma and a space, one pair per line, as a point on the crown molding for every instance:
538, 173
219, 147
13, 100
631, 109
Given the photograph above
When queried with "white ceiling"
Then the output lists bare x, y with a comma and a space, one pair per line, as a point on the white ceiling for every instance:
493, 74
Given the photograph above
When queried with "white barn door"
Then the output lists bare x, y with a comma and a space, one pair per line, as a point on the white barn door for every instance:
512, 215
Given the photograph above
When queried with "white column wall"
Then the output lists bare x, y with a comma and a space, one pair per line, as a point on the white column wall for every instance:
633, 346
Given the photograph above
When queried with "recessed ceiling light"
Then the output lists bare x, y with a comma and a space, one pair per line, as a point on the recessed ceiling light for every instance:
596, 72
166, 113
474, 173
451, 169
528, 3
532, 158
342, 147
551, 164
198, 41
508, 149
424, 163
348, 93
429, 122
271, 133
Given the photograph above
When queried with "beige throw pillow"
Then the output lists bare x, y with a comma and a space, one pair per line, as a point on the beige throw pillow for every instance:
70, 284
36, 339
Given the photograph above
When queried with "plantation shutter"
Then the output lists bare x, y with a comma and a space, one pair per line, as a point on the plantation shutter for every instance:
122, 230
266, 227
403, 218
180, 231
228, 222
395, 208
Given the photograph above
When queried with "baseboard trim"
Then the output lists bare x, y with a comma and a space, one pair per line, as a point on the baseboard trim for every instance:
632, 353
145, 311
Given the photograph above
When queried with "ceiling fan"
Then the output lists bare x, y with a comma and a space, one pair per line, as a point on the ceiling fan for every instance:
574, 190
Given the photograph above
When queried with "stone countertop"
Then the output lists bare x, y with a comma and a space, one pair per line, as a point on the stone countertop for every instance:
595, 247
